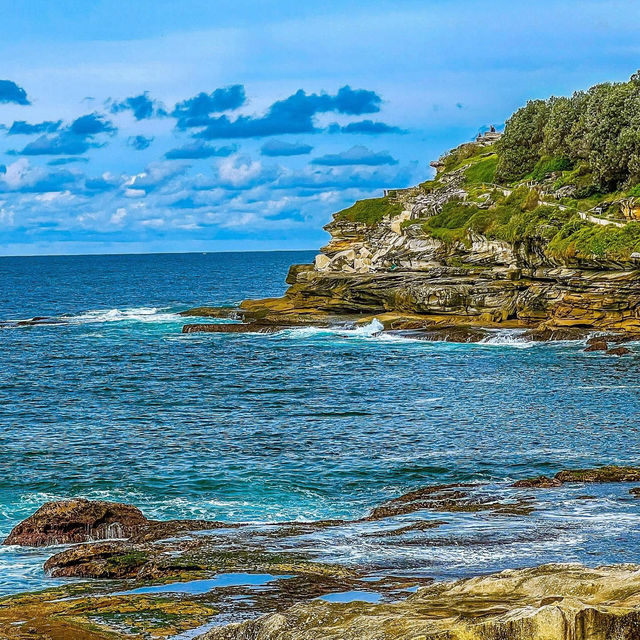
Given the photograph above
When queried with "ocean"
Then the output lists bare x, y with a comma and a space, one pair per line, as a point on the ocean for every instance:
112, 401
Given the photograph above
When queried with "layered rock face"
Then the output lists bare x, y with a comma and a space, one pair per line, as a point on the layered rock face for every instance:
551, 602
365, 270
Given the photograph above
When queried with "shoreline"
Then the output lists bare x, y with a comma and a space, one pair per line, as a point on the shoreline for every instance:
175, 576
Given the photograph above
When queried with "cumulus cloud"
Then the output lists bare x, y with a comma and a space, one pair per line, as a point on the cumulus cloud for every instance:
22, 177
75, 139
194, 112
370, 127
91, 124
139, 143
357, 155
142, 107
282, 148
20, 127
65, 143
199, 150
294, 114
11, 92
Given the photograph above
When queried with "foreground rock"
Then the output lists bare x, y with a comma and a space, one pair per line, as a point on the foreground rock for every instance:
77, 520
610, 473
551, 602
81, 520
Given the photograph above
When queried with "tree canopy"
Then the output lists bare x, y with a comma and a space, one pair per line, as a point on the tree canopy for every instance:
599, 128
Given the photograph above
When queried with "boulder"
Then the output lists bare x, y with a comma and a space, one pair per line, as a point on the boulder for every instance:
77, 520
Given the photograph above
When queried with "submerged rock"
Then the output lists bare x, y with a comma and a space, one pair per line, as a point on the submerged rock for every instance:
551, 602
77, 520
597, 345
618, 351
448, 498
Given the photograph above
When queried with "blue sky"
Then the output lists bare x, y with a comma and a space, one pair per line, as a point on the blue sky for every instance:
212, 126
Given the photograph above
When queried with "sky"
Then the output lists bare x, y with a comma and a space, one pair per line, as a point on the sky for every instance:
155, 125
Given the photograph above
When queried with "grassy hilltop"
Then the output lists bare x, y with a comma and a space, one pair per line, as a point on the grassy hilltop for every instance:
566, 171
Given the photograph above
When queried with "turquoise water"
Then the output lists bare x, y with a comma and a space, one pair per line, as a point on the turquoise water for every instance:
115, 403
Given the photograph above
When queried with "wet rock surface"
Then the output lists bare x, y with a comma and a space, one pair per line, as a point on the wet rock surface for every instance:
610, 473
178, 575
77, 520
551, 602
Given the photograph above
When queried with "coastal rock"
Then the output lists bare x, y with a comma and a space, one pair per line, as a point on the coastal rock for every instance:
597, 345
610, 473
99, 560
448, 498
618, 351
550, 602
77, 520
231, 328
81, 520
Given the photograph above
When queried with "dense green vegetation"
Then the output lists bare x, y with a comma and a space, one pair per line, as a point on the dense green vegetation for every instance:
597, 129
370, 211
520, 217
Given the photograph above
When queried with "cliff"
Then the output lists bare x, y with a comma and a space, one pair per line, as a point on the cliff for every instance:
462, 250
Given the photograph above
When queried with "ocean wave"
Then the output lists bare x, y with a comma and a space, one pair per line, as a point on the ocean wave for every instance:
134, 314
507, 338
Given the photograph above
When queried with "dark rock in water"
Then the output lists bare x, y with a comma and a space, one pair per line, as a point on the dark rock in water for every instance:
448, 334
99, 560
557, 333
597, 345
447, 498
618, 351
78, 520
231, 328
163, 529
609, 473
541, 482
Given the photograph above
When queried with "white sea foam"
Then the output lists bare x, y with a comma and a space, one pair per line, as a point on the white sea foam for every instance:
507, 338
134, 314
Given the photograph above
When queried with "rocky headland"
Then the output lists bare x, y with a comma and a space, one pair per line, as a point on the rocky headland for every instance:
535, 229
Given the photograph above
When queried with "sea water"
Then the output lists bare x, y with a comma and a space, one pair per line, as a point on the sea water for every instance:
111, 401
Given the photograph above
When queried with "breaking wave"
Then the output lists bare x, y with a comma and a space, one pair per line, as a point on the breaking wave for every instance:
135, 314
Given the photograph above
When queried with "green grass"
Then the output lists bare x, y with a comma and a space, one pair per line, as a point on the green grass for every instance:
370, 212
515, 219
584, 239
482, 170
